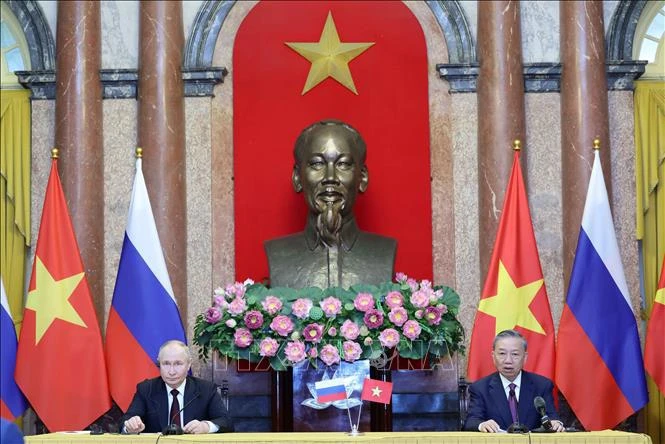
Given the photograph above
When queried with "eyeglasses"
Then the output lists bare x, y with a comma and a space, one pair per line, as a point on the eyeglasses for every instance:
503, 356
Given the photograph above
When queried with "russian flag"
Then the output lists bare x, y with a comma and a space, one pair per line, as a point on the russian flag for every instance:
12, 402
330, 390
599, 361
144, 313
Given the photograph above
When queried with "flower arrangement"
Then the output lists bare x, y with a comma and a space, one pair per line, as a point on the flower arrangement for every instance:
288, 326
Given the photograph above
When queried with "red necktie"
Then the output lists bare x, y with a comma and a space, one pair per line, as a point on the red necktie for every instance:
174, 416
512, 402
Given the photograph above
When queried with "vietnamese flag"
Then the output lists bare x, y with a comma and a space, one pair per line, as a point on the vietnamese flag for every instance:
377, 391
654, 351
60, 360
514, 295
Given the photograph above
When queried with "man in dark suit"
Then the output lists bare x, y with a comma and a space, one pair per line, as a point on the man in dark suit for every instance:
176, 398
506, 397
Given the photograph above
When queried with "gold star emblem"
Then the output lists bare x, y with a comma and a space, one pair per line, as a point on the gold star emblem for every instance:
376, 391
660, 296
329, 57
50, 300
510, 306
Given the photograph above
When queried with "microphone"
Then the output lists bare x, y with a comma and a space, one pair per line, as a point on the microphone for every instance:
545, 421
176, 429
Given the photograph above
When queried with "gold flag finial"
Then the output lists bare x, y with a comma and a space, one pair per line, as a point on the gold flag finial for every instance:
596, 143
55, 153
139, 152
517, 145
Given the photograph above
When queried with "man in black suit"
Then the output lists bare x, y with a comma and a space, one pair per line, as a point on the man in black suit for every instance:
491, 408
176, 398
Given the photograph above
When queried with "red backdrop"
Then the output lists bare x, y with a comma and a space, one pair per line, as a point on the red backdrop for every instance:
390, 111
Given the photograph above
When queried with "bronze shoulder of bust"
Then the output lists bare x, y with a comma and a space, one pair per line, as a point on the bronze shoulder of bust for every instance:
330, 171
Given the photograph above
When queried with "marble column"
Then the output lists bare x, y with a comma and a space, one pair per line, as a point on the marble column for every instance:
78, 133
584, 113
500, 113
161, 132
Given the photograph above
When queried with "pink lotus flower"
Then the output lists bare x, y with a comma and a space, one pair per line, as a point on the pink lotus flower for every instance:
389, 337
332, 331
301, 308
363, 301
253, 319
231, 323
313, 353
425, 284
313, 333
295, 351
236, 290
329, 354
373, 318
212, 315
411, 329
219, 301
419, 314
412, 283
243, 338
349, 330
432, 315
419, 299
331, 306
352, 351
237, 306
282, 325
268, 347
398, 316
443, 308
394, 299
401, 277
272, 304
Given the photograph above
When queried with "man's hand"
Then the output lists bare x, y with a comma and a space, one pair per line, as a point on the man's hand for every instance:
134, 425
195, 426
489, 426
557, 426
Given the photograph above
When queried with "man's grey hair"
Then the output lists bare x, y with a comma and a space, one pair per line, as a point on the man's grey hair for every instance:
174, 342
508, 334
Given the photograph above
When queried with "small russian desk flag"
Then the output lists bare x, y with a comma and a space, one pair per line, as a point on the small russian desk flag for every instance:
330, 390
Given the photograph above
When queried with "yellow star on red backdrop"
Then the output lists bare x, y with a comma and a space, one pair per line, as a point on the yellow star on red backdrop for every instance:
510, 305
330, 57
50, 300
376, 391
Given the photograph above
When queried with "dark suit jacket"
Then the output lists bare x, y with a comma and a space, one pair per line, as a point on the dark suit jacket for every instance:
201, 402
488, 400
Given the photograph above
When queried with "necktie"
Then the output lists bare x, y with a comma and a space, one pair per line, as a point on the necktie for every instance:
512, 402
174, 416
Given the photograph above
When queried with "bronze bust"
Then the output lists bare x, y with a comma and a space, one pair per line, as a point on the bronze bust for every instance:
332, 251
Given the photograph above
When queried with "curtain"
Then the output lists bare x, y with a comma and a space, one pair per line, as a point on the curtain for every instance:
650, 187
15, 195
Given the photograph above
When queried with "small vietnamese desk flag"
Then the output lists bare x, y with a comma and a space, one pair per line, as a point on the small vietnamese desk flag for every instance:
514, 295
600, 369
377, 391
330, 390
60, 361
144, 313
654, 350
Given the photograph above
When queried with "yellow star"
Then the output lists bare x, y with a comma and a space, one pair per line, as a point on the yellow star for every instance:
329, 57
376, 391
50, 300
510, 306
660, 296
